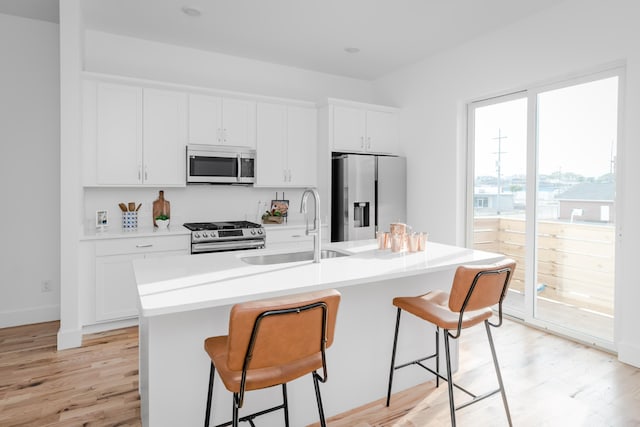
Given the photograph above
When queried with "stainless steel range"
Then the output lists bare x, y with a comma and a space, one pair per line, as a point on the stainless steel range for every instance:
225, 236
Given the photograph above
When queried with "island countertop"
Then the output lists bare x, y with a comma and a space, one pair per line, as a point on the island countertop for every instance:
191, 282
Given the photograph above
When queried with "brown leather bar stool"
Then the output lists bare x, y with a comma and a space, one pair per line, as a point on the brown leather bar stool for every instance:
272, 342
475, 290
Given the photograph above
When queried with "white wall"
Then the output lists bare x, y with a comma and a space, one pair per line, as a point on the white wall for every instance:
121, 55
29, 170
195, 203
575, 36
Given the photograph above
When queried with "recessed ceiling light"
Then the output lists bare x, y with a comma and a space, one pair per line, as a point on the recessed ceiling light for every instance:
191, 11
351, 49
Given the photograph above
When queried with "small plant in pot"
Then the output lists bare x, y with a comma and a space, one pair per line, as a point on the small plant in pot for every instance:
162, 221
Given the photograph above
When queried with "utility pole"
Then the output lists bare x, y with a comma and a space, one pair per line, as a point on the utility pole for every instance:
500, 137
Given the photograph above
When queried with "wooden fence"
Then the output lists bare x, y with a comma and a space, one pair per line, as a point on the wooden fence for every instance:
575, 261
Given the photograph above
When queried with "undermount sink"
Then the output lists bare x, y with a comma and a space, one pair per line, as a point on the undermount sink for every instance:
290, 257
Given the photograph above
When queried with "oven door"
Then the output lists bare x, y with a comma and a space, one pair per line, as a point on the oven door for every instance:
227, 245
212, 167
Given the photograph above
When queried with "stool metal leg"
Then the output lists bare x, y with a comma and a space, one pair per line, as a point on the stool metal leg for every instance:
234, 419
495, 364
438, 356
207, 415
285, 404
393, 356
447, 351
316, 385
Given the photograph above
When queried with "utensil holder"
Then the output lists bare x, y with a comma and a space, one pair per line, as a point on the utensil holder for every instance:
130, 220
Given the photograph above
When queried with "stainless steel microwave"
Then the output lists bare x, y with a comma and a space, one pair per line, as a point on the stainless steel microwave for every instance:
219, 164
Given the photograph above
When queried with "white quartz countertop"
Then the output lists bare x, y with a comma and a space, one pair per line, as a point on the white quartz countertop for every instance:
115, 232
182, 283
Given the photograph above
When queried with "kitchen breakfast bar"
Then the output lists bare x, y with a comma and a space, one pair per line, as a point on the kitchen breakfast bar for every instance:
185, 299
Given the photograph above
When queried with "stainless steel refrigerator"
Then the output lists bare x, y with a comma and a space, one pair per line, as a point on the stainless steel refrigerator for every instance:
367, 194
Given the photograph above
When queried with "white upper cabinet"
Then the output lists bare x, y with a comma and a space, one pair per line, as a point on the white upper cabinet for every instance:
382, 132
364, 129
164, 137
133, 135
286, 145
222, 121
118, 137
271, 162
349, 129
302, 136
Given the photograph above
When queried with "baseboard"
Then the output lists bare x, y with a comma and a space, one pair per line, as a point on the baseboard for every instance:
629, 354
28, 316
108, 326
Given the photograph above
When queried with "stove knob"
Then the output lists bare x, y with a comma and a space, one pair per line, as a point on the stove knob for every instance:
253, 232
197, 235
204, 235
259, 230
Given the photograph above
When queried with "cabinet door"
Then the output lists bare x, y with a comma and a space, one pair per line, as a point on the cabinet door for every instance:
348, 129
238, 122
271, 144
205, 119
118, 134
301, 146
116, 293
382, 132
165, 136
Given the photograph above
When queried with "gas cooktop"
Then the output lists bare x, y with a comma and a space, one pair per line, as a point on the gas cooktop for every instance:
224, 225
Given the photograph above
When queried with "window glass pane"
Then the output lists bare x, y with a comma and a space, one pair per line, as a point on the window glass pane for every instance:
577, 138
499, 197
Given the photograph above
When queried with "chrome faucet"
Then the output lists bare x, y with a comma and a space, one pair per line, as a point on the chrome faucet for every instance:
316, 220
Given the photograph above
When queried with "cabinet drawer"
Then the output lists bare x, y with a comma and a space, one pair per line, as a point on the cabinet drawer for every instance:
291, 235
142, 245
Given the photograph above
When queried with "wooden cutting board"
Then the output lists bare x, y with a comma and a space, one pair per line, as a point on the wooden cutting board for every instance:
161, 207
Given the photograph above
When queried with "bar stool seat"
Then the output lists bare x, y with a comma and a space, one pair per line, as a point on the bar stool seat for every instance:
272, 342
434, 308
475, 290
256, 379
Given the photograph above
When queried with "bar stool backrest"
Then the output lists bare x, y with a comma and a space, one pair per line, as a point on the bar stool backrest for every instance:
480, 286
281, 331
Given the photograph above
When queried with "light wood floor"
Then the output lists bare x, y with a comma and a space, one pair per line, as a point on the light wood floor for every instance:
95, 385
550, 382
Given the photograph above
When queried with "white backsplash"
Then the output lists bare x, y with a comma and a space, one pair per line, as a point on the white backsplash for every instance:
195, 203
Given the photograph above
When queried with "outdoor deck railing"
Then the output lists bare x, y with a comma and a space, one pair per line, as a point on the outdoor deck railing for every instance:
575, 260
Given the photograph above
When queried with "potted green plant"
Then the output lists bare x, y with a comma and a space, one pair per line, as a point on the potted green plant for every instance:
162, 221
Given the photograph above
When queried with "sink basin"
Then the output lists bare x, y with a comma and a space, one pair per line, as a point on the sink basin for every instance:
290, 257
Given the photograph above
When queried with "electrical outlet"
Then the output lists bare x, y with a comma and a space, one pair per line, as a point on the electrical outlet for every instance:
46, 286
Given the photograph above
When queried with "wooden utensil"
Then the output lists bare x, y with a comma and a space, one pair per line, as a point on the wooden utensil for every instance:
138, 208
132, 206
123, 207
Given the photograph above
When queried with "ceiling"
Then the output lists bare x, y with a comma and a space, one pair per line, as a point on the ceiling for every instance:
304, 34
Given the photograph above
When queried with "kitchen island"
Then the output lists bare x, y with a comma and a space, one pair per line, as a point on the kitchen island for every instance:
185, 299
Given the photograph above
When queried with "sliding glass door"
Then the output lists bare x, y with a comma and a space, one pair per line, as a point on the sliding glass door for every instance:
542, 190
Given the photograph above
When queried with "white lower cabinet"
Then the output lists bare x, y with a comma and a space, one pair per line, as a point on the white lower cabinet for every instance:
293, 236
115, 287
116, 296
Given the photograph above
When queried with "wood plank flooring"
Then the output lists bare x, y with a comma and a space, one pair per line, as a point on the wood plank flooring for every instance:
95, 385
550, 382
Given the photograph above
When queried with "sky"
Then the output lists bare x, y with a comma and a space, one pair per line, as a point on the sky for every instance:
577, 131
